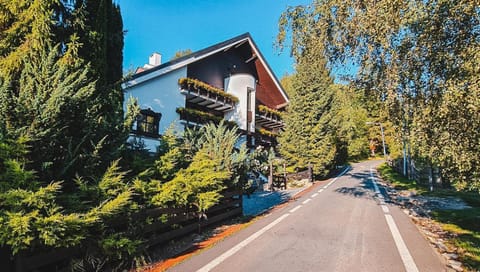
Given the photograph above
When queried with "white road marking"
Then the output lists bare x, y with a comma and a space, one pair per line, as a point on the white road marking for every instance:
257, 234
240, 245
385, 209
319, 191
295, 209
314, 195
306, 201
335, 179
407, 258
375, 186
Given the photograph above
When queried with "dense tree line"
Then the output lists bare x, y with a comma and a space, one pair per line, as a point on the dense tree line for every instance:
325, 124
61, 67
417, 60
65, 173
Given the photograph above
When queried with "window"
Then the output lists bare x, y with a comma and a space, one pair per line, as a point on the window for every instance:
147, 123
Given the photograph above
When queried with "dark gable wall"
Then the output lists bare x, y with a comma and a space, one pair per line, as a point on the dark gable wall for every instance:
214, 69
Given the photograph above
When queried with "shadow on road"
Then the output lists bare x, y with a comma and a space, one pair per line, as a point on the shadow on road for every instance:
363, 190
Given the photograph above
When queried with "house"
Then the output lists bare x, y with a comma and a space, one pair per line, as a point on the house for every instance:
230, 80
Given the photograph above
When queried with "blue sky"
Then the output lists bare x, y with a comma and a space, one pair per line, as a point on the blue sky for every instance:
166, 26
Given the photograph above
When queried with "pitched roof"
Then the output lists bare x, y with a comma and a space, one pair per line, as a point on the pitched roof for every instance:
201, 54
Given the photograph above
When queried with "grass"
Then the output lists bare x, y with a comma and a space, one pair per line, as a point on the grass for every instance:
463, 224
398, 181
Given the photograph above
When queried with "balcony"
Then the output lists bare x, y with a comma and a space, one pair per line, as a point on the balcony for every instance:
268, 118
199, 118
265, 137
202, 94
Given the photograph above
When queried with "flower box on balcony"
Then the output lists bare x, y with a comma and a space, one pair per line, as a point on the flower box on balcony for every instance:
201, 117
266, 111
202, 88
267, 133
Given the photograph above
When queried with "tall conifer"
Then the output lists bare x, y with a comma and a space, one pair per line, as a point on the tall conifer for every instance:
309, 136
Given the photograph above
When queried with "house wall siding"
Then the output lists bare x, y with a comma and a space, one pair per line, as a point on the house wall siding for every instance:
162, 95
238, 85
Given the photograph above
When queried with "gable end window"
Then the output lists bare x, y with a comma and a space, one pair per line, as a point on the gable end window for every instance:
147, 123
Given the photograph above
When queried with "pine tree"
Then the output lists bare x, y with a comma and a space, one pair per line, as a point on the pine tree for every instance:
309, 136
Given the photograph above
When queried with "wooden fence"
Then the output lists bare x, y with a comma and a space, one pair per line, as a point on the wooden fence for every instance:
306, 174
166, 224
279, 181
423, 174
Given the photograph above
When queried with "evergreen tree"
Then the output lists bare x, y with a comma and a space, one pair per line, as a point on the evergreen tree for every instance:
86, 127
309, 136
99, 26
50, 109
98, 23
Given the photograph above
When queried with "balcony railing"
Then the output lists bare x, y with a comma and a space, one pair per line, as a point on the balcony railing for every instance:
197, 117
200, 93
268, 118
265, 138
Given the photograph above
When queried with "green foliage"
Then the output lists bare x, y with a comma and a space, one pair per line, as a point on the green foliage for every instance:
202, 87
25, 25
418, 58
309, 136
119, 247
70, 111
32, 218
12, 166
50, 107
112, 183
181, 53
198, 185
214, 167
287, 84
269, 111
219, 144
350, 118
176, 155
201, 117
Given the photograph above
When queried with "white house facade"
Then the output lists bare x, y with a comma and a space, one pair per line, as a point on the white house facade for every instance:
230, 80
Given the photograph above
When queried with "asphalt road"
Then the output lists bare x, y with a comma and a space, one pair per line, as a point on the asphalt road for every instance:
343, 224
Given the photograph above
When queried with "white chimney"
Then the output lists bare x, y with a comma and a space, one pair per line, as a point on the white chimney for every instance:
155, 59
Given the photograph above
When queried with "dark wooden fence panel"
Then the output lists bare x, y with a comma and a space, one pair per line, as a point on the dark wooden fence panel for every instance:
279, 182
306, 174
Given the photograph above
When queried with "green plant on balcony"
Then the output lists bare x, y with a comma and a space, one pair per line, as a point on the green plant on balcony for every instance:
267, 133
269, 112
202, 87
201, 117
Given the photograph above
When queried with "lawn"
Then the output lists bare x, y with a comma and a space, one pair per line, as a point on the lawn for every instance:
463, 224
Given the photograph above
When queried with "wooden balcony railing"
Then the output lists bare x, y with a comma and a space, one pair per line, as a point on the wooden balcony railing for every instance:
268, 118
200, 93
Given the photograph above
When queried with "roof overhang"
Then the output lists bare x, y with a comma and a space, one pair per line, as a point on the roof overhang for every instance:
235, 42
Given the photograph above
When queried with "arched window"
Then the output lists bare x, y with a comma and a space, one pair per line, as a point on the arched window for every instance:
147, 123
